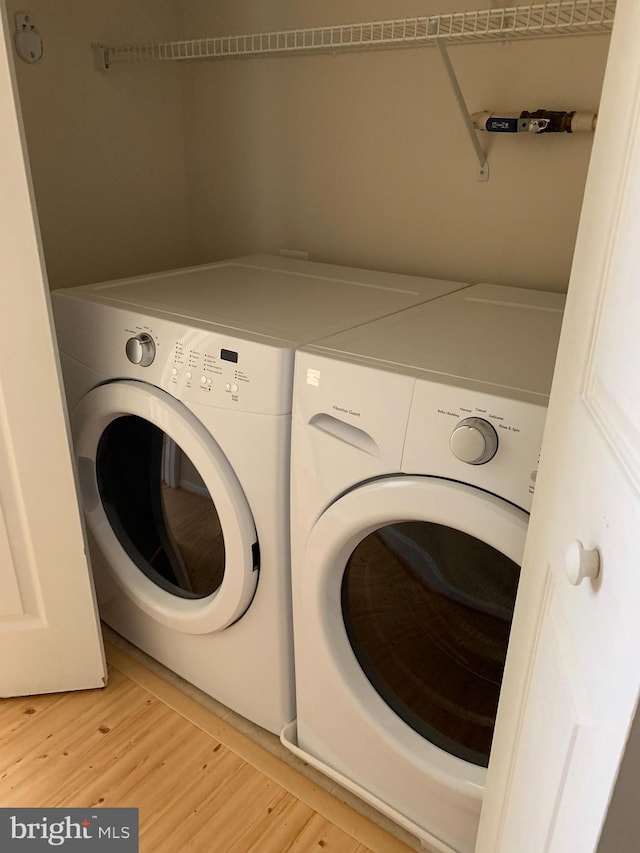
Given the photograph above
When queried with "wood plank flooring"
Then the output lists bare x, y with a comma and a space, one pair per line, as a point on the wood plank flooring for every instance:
200, 785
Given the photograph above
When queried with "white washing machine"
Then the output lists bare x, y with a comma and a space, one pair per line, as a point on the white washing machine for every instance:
179, 388
415, 444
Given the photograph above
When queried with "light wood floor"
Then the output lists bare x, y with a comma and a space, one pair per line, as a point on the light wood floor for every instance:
200, 784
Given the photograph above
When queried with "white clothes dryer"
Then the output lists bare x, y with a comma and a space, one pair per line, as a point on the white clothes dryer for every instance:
179, 387
415, 445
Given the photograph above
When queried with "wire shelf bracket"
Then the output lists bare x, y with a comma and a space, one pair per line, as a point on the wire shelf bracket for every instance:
483, 173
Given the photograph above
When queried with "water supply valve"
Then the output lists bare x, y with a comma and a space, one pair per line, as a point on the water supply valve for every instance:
538, 121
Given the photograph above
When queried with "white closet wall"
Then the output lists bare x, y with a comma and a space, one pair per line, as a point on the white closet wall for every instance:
359, 159
107, 152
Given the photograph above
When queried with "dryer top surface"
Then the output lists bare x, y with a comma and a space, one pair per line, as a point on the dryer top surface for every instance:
506, 337
293, 301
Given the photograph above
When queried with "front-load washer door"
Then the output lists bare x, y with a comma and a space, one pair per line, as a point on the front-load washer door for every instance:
406, 594
165, 507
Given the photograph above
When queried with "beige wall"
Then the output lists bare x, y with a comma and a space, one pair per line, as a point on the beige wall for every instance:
106, 150
359, 159
363, 160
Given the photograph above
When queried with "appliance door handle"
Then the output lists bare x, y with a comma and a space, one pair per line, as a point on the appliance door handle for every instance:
347, 433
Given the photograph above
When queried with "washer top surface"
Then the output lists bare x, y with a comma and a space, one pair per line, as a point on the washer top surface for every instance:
290, 300
495, 335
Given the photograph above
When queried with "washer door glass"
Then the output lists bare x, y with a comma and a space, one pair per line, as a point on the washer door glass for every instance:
159, 508
403, 595
165, 508
428, 610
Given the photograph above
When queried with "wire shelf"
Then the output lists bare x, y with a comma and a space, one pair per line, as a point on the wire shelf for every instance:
540, 20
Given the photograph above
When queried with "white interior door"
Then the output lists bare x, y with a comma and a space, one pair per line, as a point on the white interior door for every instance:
49, 632
573, 671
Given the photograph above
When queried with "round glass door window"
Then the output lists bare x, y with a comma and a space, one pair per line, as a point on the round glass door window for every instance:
428, 613
159, 508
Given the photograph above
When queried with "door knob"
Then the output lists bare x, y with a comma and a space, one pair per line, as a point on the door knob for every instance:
581, 562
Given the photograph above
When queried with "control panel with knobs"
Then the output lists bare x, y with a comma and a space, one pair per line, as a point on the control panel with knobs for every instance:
141, 349
474, 441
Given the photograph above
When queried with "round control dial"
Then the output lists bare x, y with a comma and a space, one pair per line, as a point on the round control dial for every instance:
141, 349
474, 441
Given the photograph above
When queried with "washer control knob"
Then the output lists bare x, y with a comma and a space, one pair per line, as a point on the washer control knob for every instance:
141, 349
474, 441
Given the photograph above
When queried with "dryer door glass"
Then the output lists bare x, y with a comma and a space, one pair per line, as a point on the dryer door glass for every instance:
159, 508
428, 613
